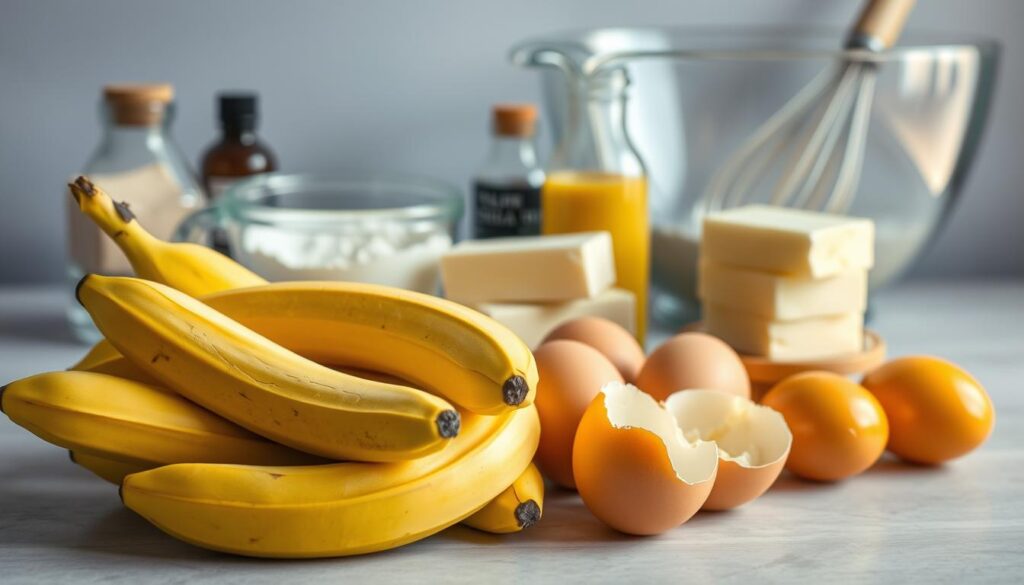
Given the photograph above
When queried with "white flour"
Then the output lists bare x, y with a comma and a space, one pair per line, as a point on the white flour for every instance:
387, 253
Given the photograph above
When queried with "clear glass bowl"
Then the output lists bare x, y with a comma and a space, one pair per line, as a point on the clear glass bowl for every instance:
380, 229
698, 95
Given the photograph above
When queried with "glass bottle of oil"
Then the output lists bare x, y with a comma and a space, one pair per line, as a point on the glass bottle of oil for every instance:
597, 181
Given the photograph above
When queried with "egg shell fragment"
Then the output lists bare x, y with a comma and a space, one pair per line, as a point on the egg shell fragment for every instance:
753, 442
634, 469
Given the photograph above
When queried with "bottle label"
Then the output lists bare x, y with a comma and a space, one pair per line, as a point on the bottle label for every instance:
506, 211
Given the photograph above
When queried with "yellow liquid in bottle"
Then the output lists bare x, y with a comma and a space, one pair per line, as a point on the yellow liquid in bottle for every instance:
583, 202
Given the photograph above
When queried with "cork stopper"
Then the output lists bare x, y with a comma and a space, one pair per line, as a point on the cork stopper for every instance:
138, 104
515, 119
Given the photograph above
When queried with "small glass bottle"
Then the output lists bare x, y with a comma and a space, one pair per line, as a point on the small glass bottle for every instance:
506, 189
239, 153
597, 182
139, 163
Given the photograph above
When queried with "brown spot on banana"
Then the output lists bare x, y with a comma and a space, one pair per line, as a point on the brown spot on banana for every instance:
124, 211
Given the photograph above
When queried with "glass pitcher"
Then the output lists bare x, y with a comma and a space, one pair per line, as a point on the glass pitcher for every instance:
596, 181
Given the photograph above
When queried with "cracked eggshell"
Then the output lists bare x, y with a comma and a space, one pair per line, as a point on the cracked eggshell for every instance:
693, 360
753, 442
634, 469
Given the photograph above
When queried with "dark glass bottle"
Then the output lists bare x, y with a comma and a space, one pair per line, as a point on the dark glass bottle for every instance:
239, 153
506, 189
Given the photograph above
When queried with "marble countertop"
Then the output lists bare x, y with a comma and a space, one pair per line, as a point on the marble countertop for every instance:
963, 522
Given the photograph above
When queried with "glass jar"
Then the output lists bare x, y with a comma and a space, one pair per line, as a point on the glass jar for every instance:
597, 182
136, 162
389, 230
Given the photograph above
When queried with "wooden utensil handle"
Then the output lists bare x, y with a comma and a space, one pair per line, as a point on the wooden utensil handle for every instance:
880, 24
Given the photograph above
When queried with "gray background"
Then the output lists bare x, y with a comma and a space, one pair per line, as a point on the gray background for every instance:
392, 85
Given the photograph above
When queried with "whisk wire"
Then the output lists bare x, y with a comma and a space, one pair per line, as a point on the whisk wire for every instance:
850, 171
813, 148
726, 180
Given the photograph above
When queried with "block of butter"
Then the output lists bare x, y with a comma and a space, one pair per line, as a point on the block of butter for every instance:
772, 296
532, 322
788, 241
800, 339
529, 269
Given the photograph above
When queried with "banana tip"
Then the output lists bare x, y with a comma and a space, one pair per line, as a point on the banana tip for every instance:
2, 390
527, 514
514, 390
78, 288
71, 456
85, 185
448, 423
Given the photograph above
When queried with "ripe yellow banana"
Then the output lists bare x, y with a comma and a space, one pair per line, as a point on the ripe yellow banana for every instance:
135, 423
116, 366
246, 378
98, 355
435, 344
340, 509
519, 507
112, 470
191, 268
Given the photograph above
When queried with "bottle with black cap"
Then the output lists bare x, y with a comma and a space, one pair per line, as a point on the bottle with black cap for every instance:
239, 153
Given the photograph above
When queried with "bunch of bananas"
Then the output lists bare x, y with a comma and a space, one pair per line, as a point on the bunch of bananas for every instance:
224, 408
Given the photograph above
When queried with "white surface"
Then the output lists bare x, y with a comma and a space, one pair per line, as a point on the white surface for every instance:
960, 523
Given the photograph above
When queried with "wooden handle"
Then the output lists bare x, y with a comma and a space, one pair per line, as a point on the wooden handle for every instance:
880, 24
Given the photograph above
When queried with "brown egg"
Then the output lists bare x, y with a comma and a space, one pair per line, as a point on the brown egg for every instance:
753, 442
693, 360
607, 337
635, 470
571, 375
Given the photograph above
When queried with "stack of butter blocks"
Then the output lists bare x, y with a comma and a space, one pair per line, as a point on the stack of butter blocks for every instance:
786, 284
533, 284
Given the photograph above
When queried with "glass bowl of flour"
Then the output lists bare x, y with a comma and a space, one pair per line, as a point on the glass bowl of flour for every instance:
389, 230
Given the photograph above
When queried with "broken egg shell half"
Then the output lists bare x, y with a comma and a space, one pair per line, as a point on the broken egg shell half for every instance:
634, 468
753, 442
